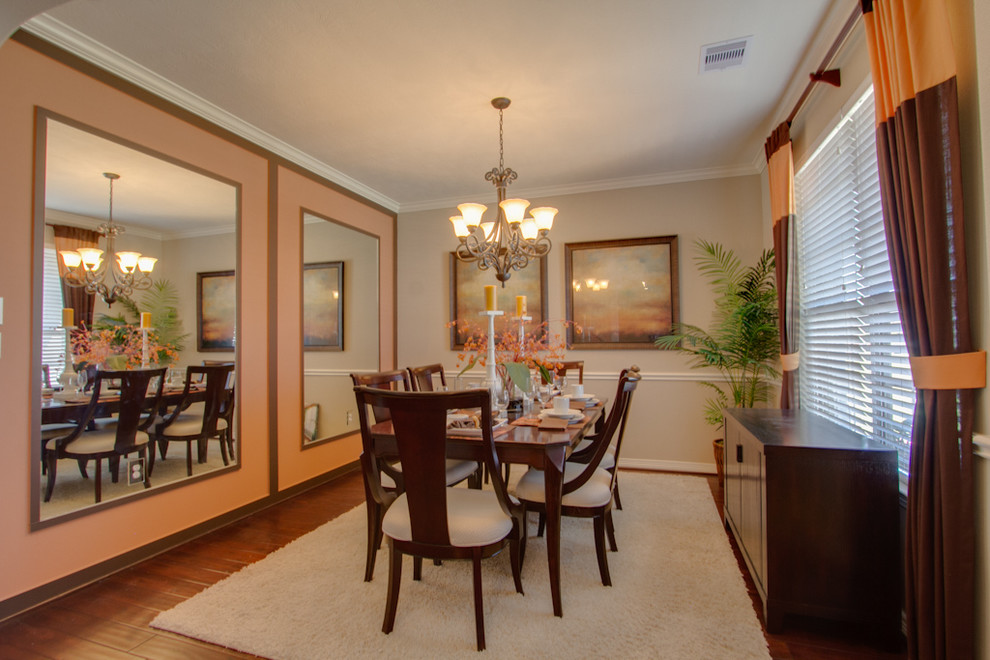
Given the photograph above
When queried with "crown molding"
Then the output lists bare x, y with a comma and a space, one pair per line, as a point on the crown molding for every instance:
660, 179
77, 43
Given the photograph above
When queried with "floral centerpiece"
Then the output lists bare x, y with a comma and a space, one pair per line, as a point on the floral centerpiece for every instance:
104, 345
516, 354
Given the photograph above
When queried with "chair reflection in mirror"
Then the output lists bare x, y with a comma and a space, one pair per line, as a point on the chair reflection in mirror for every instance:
140, 395
199, 416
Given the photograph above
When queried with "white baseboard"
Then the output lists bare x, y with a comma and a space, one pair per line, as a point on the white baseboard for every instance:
666, 466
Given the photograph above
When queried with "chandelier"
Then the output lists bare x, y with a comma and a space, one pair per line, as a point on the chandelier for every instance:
116, 276
509, 241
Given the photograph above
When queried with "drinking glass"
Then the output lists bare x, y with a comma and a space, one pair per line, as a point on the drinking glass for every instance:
544, 393
80, 381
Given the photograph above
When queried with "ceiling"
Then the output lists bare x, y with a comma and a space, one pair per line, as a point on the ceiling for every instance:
391, 98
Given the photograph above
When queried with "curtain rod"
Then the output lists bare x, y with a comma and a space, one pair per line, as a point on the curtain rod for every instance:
823, 75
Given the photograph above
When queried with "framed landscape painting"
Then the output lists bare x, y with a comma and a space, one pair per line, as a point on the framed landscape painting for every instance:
323, 306
621, 293
467, 296
216, 310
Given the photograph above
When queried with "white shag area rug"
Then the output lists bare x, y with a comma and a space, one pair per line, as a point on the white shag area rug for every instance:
677, 593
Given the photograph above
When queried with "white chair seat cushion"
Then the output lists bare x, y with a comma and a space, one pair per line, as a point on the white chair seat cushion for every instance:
100, 442
49, 431
474, 518
189, 424
457, 471
596, 492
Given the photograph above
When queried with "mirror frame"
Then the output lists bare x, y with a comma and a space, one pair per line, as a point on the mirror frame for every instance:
42, 117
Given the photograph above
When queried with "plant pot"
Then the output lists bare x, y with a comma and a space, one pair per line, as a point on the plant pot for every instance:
718, 445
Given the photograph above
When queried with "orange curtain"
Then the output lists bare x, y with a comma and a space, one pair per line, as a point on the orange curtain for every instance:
70, 238
914, 79
780, 166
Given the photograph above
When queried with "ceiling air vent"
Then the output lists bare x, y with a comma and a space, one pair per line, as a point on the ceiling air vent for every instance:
725, 54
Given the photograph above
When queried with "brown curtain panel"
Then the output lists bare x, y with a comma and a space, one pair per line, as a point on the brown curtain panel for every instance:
70, 238
780, 166
911, 57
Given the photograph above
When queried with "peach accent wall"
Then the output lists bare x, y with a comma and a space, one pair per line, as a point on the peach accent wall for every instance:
296, 193
33, 559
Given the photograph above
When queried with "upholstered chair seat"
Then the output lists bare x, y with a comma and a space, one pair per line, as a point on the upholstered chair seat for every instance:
596, 492
474, 518
100, 441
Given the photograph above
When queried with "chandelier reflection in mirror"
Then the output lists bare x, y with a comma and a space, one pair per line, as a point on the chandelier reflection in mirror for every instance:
510, 241
117, 275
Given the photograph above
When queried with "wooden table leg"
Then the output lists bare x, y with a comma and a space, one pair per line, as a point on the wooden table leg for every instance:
553, 479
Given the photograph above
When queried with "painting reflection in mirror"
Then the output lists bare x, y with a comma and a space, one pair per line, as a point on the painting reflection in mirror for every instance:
124, 304
339, 324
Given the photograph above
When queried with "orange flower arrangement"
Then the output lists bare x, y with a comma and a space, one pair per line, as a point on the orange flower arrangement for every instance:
539, 349
95, 346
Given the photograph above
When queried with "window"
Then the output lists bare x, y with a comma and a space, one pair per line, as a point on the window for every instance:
854, 362
52, 335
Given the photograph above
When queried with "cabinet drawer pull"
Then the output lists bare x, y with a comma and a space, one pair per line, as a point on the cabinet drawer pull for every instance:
739, 454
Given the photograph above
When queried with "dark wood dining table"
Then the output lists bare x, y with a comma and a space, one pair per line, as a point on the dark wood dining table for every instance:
527, 445
61, 411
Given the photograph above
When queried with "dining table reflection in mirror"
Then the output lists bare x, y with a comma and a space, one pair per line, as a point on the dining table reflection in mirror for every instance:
126, 234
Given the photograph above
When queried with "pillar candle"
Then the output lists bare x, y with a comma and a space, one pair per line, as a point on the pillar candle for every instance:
489, 297
68, 317
520, 305
145, 319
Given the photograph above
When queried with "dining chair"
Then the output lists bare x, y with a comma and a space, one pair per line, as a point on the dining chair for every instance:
197, 421
585, 449
588, 489
227, 406
571, 365
390, 471
422, 377
428, 519
140, 396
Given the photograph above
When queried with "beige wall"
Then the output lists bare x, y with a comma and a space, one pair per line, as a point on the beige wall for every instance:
33, 559
666, 429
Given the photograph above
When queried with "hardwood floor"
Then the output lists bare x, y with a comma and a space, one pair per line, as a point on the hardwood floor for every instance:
109, 619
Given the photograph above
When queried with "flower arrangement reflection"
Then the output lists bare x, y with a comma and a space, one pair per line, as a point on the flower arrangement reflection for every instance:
100, 346
540, 349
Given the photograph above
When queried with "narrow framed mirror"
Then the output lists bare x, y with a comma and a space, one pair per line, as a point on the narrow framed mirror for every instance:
136, 304
340, 323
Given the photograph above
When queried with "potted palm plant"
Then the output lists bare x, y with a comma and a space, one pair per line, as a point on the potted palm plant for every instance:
743, 343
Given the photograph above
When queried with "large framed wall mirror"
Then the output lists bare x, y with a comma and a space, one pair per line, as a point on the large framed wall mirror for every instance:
340, 323
164, 209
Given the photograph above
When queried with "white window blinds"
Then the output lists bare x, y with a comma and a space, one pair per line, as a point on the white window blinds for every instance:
854, 363
52, 336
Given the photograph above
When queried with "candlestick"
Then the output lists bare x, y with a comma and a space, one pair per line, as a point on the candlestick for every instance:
490, 298
520, 306
144, 343
490, 378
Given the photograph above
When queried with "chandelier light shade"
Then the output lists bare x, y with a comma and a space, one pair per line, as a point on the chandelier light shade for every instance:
113, 276
509, 241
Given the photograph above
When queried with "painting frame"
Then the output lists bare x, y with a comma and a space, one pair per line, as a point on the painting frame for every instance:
215, 322
322, 312
621, 316
467, 294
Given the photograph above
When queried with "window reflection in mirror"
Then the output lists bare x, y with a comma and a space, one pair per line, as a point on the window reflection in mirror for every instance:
186, 219
331, 352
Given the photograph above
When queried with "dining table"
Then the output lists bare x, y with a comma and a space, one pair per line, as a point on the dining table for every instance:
68, 407
520, 441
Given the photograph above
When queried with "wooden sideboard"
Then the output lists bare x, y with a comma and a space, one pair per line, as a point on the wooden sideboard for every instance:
814, 509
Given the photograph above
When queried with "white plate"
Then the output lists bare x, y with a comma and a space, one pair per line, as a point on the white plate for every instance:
457, 417
582, 399
570, 414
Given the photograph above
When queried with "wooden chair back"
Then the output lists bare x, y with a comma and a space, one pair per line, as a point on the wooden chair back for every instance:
615, 427
140, 397
570, 365
419, 424
421, 378
383, 380
215, 378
